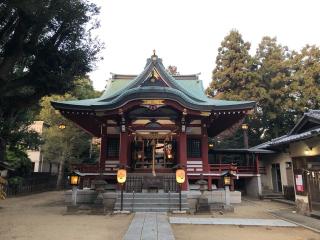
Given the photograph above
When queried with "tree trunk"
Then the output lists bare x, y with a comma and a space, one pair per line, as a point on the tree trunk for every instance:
60, 172
2, 149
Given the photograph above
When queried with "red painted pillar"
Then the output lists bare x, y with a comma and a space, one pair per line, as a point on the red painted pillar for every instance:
204, 155
103, 149
183, 156
123, 154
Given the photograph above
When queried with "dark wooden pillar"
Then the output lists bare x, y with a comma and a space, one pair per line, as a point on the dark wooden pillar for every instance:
183, 156
123, 155
204, 154
232, 184
103, 149
257, 164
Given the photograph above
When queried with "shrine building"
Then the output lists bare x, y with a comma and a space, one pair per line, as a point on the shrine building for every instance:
153, 122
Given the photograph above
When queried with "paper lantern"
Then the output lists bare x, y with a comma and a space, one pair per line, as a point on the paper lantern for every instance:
180, 176
121, 176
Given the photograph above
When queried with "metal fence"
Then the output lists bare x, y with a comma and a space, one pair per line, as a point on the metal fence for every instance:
37, 182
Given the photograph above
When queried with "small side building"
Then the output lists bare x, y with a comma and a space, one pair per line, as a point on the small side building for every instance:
296, 163
35, 155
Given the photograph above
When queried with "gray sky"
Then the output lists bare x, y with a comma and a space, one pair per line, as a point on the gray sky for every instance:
187, 33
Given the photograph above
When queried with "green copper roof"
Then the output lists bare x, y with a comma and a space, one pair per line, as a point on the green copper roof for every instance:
188, 91
115, 87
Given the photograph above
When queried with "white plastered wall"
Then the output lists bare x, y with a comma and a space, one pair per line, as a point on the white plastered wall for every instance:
34, 157
309, 147
267, 161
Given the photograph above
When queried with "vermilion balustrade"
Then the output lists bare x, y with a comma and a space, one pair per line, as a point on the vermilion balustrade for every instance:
216, 168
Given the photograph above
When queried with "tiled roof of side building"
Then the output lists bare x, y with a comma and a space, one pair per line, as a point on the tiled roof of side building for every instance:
293, 136
314, 114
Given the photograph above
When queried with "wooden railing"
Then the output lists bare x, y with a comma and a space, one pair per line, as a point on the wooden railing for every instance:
86, 168
262, 170
232, 167
220, 167
216, 168
110, 167
246, 169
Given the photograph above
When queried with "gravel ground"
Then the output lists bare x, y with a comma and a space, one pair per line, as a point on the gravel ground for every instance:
247, 209
42, 217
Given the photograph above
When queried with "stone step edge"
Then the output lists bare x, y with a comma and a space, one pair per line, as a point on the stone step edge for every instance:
153, 204
152, 209
153, 194
152, 198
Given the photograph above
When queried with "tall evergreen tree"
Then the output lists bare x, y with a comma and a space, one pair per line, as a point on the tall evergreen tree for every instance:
43, 46
235, 78
275, 105
233, 72
306, 79
283, 83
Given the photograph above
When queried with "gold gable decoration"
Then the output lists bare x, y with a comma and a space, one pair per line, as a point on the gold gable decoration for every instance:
153, 102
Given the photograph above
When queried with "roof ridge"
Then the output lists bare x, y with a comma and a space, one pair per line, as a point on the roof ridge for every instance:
155, 62
175, 76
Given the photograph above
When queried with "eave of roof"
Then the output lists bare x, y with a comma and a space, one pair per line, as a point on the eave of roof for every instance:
240, 151
313, 115
153, 93
189, 93
286, 139
6, 165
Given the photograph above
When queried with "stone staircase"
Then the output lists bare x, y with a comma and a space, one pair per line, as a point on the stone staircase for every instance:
151, 202
268, 194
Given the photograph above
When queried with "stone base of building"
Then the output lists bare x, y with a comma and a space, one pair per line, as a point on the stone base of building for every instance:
302, 205
216, 199
87, 197
253, 186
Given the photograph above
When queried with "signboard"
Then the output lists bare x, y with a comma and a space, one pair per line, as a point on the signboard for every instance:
299, 183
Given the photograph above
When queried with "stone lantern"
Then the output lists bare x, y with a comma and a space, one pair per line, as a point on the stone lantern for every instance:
203, 203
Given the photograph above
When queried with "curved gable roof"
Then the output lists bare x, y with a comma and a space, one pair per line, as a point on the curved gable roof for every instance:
188, 92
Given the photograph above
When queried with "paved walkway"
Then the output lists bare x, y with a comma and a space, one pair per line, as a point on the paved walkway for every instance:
304, 221
232, 221
149, 226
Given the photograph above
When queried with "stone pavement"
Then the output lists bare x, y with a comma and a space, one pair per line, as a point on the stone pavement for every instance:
304, 221
149, 226
232, 221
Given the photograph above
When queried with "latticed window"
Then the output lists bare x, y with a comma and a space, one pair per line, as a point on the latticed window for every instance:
193, 148
113, 147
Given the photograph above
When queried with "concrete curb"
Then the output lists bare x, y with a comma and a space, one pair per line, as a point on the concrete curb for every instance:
299, 224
